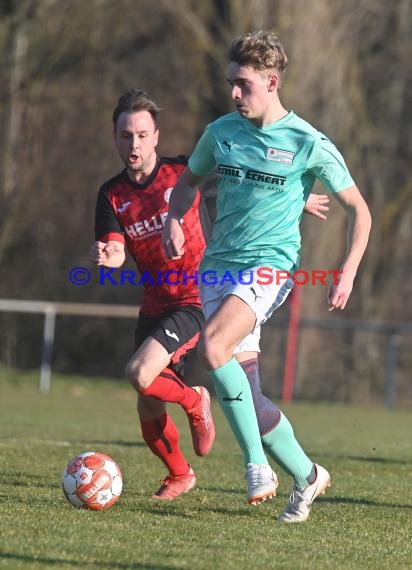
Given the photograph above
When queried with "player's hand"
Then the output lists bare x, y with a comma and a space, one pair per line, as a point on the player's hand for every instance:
339, 291
107, 254
173, 239
97, 252
316, 205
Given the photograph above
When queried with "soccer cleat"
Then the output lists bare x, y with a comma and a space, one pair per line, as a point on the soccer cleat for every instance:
201, 423
300, 501
261, 483
173, 486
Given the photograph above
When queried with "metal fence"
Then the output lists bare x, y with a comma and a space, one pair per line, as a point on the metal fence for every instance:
393, 331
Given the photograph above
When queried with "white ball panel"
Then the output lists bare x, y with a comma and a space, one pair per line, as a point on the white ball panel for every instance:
111, 467
75, 501
117, 485
69, 484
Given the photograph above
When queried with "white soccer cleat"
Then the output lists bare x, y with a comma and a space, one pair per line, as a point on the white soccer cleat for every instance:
261, 483
300, 501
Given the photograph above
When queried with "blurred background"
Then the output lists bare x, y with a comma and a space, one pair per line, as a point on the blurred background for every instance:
63, 65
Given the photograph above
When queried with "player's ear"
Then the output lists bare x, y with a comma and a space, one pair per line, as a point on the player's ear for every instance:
156, 137
273, 82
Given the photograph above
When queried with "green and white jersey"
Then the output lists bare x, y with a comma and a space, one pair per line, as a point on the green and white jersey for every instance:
265, 177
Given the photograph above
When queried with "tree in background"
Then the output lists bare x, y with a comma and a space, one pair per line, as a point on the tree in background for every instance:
65, 62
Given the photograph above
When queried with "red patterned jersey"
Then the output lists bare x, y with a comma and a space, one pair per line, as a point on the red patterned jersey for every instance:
135, 213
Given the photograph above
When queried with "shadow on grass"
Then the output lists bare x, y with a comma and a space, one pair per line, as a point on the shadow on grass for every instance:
353, 501
109, 442
392, 461
75, 441
166, 511
35, 502
365, 458
225, 491
207, 505
24, 479
59, 562
364, 502
28, 484
248, 512
8, 474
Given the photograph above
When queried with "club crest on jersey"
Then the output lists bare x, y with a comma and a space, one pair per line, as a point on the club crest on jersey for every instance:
279, 155
123, 207
166, 195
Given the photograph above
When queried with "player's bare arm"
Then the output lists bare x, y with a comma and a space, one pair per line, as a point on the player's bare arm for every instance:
108, 254
359, 225
181, 199
317, 205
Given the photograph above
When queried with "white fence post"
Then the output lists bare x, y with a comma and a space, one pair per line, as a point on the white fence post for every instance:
50, 310
47, 353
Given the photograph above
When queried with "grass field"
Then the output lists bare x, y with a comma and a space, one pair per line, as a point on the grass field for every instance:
364, 521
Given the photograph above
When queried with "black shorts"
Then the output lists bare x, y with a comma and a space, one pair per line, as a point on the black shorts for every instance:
176, 330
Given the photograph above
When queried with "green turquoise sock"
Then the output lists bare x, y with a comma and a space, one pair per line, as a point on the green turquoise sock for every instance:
282, 445
235, 398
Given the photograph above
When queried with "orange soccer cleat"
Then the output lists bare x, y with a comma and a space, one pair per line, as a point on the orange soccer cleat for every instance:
175, 485
201, 423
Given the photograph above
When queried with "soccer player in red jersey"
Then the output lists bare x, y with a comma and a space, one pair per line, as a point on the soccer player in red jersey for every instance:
131, 209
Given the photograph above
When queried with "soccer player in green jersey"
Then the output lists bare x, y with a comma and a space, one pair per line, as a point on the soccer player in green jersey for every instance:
268, 160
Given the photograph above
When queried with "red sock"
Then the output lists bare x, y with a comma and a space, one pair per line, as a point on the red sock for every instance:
168, 387
162, 438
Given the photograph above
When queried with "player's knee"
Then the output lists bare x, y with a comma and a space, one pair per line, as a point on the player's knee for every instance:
212, 350
136, 375
205, 347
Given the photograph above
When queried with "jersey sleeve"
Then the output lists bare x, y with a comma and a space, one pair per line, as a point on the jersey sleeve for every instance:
107, 226
202, 160
328, 165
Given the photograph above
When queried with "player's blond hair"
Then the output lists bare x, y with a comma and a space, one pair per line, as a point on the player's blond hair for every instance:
260, 50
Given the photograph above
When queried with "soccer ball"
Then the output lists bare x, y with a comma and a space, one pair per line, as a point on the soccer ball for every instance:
92, 480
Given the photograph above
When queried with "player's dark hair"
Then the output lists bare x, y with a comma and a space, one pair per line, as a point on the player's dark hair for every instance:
260, 50
133, 101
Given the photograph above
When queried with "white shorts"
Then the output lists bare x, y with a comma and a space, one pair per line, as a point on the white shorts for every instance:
263, 299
